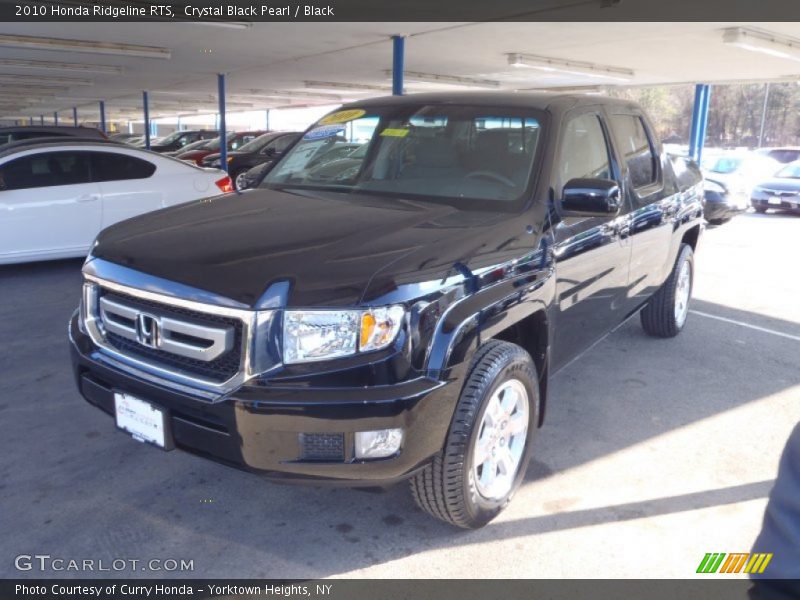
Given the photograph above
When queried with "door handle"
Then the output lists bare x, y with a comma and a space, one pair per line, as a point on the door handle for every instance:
88, 198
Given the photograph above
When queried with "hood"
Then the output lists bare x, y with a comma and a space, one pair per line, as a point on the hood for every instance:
192, 154
231, 153
333, 249
781, 184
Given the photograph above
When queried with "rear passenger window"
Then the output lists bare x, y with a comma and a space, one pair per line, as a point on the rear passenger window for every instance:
107, 166
637, 149
584, 152
46, 169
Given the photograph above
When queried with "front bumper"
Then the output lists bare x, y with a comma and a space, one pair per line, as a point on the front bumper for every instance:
764, 200
719, 207
264, 429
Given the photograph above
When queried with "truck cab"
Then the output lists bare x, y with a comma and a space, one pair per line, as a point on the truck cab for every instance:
396, 316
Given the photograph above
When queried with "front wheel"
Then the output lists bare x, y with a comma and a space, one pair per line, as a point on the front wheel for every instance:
760, 209
665, 314
488, 446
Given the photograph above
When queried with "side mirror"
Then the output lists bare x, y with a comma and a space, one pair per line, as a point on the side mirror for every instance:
591, 198
268, 152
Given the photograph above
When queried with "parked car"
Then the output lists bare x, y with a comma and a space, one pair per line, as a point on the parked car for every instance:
784, 155
123, 136
56, 196
265, 148
402, 321
734, 174
193, 146
780, 192
720, 205
236, 140
15, 134
178, 139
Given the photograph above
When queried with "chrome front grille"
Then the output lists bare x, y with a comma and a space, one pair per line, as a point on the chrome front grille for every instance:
149, 327
179, 343
202, 344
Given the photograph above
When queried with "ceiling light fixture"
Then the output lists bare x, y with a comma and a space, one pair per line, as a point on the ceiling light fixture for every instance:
253, 93
571, 67
37, 80
64, 45
334, 85
447, 79
762, 41
60, 66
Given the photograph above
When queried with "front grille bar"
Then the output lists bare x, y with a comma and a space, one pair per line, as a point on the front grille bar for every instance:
199, 342
212, 338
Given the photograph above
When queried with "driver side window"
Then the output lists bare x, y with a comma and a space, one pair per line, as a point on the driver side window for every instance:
584, 151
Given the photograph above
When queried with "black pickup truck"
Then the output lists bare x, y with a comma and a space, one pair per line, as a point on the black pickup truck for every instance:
398, 318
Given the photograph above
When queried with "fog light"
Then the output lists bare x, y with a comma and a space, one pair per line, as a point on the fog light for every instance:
378, 444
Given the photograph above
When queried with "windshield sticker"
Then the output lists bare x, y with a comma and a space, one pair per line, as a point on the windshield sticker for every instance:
343, 116
325, 131
394, 132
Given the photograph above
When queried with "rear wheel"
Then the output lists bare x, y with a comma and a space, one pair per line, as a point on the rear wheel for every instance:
665, 314
488, 446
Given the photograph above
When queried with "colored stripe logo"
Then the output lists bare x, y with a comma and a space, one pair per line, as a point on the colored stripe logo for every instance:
742, 562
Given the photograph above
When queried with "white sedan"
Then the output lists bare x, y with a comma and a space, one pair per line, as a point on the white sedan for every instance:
55, 197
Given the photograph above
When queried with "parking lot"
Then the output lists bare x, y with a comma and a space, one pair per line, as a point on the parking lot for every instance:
654, 452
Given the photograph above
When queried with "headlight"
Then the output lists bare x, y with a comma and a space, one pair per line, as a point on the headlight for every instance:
312, 335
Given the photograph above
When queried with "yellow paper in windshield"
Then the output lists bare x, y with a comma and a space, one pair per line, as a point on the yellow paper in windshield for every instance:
395, 132
343, 116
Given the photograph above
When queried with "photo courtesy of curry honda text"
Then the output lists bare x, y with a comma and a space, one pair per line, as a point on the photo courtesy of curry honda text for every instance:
395, 318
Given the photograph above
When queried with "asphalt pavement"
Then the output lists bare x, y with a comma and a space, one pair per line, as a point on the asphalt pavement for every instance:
654, 453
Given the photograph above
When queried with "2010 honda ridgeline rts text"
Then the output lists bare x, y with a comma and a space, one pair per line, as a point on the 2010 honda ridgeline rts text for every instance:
393, 313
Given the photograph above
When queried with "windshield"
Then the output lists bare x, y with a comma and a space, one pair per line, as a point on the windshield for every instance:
725, 164
171, 137
258, 143
462, 154
235, 141
790, 172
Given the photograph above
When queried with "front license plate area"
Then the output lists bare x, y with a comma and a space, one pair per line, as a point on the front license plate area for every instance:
774, 201
145, 422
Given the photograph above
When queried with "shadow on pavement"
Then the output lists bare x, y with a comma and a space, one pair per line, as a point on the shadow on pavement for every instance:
76, 487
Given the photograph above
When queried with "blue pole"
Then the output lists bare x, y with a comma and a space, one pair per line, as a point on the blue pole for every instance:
75, 115
223, 147
398, 58
146, 106
41, 119
697, 135
102, 116
55, 118
701, 140
31, 121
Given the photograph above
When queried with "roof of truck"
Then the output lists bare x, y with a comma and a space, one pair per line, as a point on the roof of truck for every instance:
536, 100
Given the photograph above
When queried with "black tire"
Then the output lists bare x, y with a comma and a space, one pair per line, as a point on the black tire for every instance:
658, 316
446, 488
760, 209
